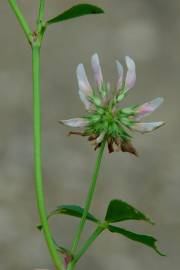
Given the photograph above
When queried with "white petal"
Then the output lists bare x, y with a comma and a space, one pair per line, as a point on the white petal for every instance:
85, 89
84, 99
97, 70
131, 73
83, 82
100, 138
75, 122
120, 74
147, 108
147, 127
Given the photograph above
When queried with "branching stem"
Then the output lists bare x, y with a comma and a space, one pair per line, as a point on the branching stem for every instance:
35, 42
22, 21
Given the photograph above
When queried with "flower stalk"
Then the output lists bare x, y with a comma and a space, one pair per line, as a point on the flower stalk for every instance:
85, 213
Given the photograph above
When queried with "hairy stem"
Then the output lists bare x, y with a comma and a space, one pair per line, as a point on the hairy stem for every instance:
22, 21
89, 198
37, 158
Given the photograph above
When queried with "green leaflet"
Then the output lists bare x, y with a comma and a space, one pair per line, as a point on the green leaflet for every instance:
144, 239
70, 210
76, 11
119, 210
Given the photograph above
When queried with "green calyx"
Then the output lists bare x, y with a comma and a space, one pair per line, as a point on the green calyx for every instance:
111, 122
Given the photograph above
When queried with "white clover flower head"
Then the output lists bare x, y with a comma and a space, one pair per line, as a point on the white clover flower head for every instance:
105, 120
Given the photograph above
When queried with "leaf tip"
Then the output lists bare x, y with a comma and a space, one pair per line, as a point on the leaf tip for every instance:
150, 221
39, 227
159, 252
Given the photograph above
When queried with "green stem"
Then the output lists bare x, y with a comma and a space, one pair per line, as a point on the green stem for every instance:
89, 198
22, 21
85, 247
37, 158
41, 14
89, 242
36, 44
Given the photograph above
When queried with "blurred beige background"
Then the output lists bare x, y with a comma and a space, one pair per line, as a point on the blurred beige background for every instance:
149, 32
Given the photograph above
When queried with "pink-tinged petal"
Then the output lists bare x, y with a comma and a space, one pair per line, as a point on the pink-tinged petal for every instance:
75, 122
147, 127
100, 138
85, 89
83, 82
97, 70
88, 105
131, 73
147, 108
120, 75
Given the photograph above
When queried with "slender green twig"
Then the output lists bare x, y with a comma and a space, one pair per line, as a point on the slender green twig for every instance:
88, 243
89, 198
22, 21
41, 14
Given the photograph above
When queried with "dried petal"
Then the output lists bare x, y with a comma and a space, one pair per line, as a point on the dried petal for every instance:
77, 133
110, 146
97, 146
131, 73
120, 75
126, 146
97, 70
147, 108
92, 137
147, 127
75, 122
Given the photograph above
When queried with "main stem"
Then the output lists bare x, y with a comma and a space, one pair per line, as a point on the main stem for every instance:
37, 158
89, 197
